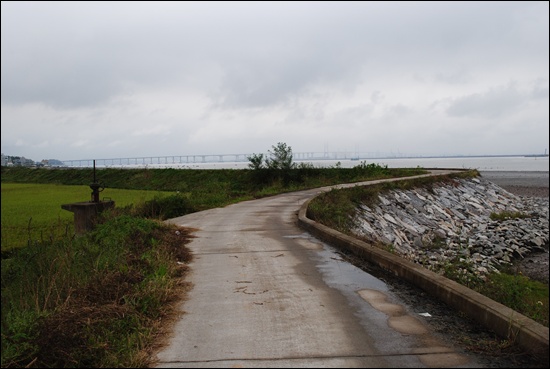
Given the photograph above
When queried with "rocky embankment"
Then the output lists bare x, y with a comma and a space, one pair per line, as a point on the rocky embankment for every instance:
452, 224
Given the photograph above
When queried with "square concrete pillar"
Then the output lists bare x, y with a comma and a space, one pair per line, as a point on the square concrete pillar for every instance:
85, 213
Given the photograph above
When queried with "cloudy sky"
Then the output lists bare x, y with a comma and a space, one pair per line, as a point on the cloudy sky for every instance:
85, 80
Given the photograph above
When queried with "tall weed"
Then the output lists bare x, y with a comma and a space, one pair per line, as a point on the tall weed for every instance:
90, 301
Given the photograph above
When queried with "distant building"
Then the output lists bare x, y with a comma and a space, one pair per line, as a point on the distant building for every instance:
8, 160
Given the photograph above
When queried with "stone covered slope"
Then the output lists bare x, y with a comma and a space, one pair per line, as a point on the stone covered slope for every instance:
450, 223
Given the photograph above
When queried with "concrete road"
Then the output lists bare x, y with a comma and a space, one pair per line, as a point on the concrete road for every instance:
266, 294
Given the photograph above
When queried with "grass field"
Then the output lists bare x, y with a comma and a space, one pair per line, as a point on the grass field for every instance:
32, 212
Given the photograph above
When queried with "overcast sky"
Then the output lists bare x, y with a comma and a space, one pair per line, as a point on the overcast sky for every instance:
98, 80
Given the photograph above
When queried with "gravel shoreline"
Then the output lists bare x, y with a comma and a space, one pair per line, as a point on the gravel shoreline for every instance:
527, 191
527, 184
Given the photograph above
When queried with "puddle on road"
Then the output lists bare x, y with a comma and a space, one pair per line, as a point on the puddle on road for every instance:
358, 286
337, 272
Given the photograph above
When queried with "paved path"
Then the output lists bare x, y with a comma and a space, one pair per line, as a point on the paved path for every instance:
266, 294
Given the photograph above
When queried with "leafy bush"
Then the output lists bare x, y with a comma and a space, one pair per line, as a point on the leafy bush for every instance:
505, 215
371, 169
165, 207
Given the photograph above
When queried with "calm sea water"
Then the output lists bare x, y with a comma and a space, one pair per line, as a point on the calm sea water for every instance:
511, 163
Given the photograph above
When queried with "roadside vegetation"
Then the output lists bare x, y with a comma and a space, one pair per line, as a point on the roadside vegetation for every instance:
103, 299
335, 209
93, 301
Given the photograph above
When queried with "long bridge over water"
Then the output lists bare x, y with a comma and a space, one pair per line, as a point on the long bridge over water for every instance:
187, 160
208, 158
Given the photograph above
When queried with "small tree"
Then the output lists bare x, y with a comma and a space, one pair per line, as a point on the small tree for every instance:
280, 157
278, 165
256, 161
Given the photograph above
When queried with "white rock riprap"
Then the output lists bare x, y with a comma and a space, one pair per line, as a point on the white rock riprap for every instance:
451, 223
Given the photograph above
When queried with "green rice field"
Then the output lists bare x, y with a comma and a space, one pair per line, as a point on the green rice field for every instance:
32, 212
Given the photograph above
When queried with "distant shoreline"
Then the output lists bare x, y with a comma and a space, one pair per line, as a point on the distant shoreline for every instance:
529, 184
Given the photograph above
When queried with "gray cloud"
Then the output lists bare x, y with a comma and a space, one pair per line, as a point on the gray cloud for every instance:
229, 76
491, 104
